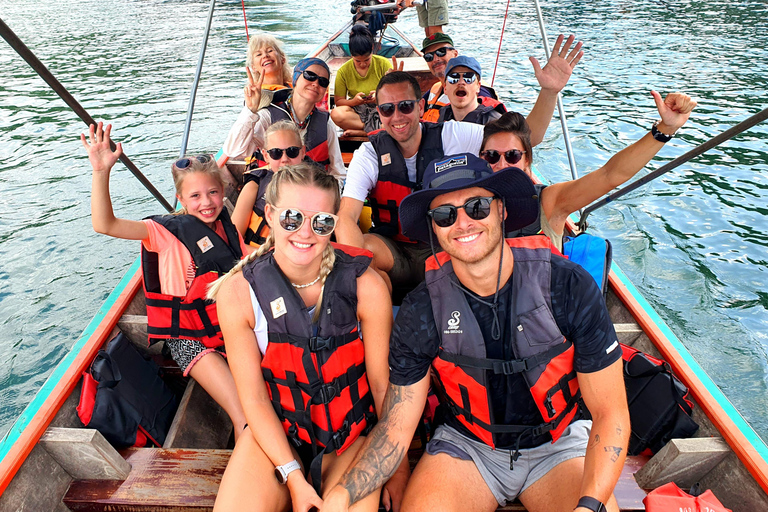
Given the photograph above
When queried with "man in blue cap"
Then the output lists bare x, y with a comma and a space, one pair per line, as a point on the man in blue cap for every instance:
462, 85
518, 339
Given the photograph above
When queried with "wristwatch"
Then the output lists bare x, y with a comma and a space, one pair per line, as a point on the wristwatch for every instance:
591, 503
282, 472
659, 136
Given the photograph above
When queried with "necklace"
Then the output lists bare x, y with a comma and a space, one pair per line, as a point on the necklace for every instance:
299, 286
293, 114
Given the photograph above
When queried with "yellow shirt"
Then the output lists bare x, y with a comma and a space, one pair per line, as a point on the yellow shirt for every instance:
349, 82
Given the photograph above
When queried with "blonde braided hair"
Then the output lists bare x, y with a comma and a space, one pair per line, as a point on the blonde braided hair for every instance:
303, 174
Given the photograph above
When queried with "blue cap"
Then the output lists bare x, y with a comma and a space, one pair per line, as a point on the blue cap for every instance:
465, 170
303, 64
467, 62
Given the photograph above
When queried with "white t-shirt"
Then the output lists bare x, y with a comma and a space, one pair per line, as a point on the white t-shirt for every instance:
247, 135
363, 172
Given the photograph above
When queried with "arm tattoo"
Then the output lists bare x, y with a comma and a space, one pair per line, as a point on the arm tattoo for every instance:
380, 455
615, 452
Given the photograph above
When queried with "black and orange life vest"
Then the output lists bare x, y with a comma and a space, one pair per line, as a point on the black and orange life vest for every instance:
393, 184
316, 136
483, 114
487, 97
257, 230
545, 357
316, 380
192, 316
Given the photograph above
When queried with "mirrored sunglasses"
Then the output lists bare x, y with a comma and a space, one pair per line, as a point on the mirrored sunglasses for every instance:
277, 153
185, 162
291, 219
440, 52
469, 77
477, 208
311, 76
511, 157
405, 107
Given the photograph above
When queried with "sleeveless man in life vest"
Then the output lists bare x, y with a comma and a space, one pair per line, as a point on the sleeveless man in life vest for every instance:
521, 345
439, 50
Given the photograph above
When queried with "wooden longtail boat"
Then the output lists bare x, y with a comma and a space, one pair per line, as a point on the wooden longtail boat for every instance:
49, 462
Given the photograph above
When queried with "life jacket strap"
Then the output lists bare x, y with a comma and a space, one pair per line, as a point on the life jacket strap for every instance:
331, 390
316, 343
506, 367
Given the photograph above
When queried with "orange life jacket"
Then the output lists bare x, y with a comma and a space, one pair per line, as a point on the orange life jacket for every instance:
545, 357
257, 230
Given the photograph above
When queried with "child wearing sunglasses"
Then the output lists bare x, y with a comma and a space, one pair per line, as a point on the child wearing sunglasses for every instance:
462, 85
283, 146
181, 254
507, 143
295, 309
310, 84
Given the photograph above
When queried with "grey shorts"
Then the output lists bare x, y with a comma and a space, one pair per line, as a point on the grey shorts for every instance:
408, 268
433, 13
369, 115
493, 465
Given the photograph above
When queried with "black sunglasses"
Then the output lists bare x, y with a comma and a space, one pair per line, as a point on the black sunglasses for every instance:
477, 208
405, 107
469, 77
492, 156
311, 76
323, 224
277, 153
185, 162
440, 52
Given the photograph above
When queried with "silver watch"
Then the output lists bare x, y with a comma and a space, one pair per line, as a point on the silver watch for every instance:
282, 472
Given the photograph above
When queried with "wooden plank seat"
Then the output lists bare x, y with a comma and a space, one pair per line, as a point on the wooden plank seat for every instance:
182, 480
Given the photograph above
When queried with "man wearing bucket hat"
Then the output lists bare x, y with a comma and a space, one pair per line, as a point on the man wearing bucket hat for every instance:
517, 339
310, 83
462, 85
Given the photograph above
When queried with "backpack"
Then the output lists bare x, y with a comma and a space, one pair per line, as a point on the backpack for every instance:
659, 408
124, 398
593, 253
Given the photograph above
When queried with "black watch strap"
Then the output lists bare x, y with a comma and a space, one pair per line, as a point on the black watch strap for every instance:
591, 503
661, 137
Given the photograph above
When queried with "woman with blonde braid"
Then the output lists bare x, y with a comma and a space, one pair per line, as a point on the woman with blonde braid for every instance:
292, 310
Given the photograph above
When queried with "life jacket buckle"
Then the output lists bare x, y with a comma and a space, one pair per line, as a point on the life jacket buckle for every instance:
543, 429
317, 343
325, 394
340, 437
511, 367
293, 435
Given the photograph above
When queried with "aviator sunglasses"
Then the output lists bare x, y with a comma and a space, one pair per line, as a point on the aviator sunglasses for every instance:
477, 208
405, 107
277, 153
311, 76
185, 162
440, 52
492, 156
469, 77
291, 219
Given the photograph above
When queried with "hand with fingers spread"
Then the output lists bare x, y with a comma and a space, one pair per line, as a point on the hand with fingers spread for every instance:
99, 149
252, 90
555, 74
674, 110
395, 66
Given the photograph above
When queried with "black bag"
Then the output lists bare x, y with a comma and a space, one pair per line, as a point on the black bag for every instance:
659, 408
124, 398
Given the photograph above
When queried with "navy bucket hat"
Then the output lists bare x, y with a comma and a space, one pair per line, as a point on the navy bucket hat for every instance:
303, 64
457, 172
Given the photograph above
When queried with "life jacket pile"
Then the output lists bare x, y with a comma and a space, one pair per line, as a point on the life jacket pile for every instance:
316, 137
257, 230
433, 106
316, 378
190, 317
393, 184
545, 357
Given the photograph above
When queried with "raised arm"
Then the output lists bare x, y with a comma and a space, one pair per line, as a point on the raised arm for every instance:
605, 397
241, 215
247, 134
384, 448
552, 78
561, 199
102, 160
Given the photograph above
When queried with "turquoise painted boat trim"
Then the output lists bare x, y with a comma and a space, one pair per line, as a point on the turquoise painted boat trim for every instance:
34, 406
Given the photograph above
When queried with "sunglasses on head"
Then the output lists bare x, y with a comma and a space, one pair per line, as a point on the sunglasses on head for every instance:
185, 162
440, 52
469, 77
405, 107
291, 219
311, 76
477, 208
277, 153
492, 156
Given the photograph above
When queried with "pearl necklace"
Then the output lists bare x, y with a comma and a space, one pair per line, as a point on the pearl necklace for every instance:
299, 286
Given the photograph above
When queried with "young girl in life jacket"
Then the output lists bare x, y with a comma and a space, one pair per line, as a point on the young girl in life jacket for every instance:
283, 146
174, 269
293, 309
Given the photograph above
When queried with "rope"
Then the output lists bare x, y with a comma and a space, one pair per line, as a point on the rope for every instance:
245, 20
501, 38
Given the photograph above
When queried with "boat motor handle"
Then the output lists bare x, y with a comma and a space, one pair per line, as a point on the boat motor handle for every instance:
386, 7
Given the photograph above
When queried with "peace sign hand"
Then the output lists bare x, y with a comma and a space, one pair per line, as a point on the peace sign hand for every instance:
395, 66
252, 90
555, 75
